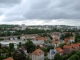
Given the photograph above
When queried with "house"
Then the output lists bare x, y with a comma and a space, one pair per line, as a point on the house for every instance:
55, 36
67, 49
40, 38
10, 58
69, 40
38, 54
60, 51
66, 40
52, 53
46, 38
38, 42
22, 37
72, 39
31, 36
13, 38
75, 46
55, 43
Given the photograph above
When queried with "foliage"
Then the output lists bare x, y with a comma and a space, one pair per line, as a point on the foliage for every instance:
0, 45
77, 37
19, 55
11, 46
46, 58
20, 44
18, 37
61, 45
75, 56
30, 46
2, 57
44, 50
65, 57
57, 57
49, 47
1, 39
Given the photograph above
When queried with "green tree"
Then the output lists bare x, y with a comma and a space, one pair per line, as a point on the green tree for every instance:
49, 47
73, 57
1, 51
46, 58
19, 45
2, 57
0, 45
11, 46
61, 45
30, 46
18, 37
57, 57
19, 55
44, 50
65, 57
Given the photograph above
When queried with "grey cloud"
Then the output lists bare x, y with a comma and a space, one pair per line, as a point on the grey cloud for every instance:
9, 3
14, 18
46, 10
1, 13
63, 9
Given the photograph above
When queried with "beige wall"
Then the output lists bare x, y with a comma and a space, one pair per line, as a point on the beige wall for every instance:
35, 57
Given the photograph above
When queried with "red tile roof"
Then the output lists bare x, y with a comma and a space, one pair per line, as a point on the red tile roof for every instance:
41, 38
66, 46
59, 50
10, 58
38, 52
72, 45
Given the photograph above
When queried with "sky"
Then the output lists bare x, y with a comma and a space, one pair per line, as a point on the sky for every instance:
40, 12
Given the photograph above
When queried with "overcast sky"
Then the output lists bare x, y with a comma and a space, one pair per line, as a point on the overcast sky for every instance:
40, 12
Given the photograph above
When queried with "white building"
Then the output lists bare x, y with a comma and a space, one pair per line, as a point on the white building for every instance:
38, 41
23, 27
52, 53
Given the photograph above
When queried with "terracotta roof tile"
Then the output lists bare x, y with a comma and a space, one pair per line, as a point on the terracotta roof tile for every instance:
38, 52
66, 46
41, 38
59, 50
74, 45
10, 58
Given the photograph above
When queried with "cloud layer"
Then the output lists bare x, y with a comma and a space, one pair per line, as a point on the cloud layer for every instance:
40, 10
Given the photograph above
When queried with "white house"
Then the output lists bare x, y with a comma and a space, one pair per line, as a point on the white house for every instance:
22, 37
55, 43
38, 41
52, 53
72, 39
